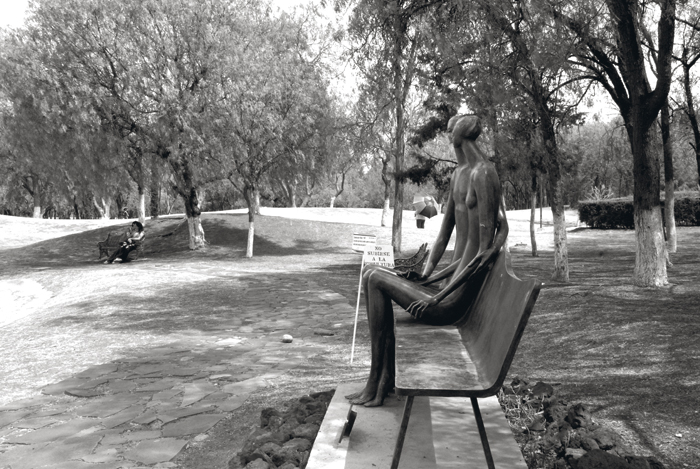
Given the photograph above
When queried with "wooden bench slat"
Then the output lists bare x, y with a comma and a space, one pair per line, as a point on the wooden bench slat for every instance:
423, 368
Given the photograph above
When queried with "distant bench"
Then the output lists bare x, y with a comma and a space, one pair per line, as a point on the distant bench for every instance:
113, 242
470, 359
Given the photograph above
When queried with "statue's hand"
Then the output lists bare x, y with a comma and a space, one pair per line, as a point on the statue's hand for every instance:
412, 276
483, 260
417, 308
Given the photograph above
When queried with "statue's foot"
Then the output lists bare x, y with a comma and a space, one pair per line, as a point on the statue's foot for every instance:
354, 395
360, 398
378, 401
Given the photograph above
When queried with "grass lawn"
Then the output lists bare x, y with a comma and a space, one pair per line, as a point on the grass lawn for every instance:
631, 353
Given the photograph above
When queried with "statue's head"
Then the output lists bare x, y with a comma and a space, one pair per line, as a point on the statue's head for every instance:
464, 126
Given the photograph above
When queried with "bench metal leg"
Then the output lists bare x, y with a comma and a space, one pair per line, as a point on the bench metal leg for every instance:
402, 432
482, 433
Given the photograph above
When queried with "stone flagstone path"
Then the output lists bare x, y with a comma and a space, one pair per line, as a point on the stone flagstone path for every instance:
143, 410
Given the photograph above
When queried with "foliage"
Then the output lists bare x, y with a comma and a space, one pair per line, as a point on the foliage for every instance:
618, 213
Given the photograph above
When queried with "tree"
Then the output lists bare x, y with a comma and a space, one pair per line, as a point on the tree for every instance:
387, 36
614, 55
690, 56
478, 42
273, 101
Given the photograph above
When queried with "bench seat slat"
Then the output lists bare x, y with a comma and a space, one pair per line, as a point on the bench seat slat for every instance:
422, 368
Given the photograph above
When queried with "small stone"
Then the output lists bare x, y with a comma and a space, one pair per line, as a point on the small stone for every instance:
257, 464
537, 424
287, 455
574, 453
299, 444
270, 448
315, 418
599, 459
266, 414
287, 339
589, 444
306, 430
201, 437
542, 389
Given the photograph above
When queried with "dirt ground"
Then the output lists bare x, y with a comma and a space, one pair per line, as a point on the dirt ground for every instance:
631, 353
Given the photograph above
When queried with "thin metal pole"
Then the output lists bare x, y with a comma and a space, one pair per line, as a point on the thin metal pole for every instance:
357, 310
482, 433
402, 432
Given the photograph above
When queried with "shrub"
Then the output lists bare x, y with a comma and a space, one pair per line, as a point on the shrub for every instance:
619, 213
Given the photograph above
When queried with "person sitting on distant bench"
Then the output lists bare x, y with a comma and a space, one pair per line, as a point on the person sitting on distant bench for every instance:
136, 235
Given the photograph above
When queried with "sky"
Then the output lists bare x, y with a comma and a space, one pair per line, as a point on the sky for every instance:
12, 12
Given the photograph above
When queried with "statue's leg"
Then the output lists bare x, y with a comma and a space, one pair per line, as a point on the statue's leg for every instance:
380, 317
387, 372
381, 286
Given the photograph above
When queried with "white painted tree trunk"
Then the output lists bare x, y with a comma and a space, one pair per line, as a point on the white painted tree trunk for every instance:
650, 262
37, 211
251, 237
332, 201
197, 240
385, 212
142, 206
533, 214
561, 252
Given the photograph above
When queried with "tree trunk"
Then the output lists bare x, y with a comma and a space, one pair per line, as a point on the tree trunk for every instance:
186, 188
103, 206
399, 97
541, 202
155, 199
690, 110
387, 191
650, 262
249, 194
332, 201
194, 221
154, 190
292, 196
37, 204
142, 205
552, 165
35, 191
669, 189
533, 212
257, 200
385, 211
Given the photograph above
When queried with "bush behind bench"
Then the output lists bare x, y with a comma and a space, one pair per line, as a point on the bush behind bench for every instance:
618, 213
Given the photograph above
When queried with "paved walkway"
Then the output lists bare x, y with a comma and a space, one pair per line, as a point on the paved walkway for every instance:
141, 411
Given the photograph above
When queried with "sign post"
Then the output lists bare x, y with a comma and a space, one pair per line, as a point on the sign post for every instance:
382, 255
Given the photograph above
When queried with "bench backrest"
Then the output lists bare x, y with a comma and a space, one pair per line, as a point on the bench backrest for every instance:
492, 329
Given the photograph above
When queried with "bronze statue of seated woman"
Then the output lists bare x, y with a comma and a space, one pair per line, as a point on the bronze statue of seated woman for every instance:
475, 211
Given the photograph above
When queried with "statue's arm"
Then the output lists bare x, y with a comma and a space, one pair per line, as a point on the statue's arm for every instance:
443, 237
490, 244
493, 233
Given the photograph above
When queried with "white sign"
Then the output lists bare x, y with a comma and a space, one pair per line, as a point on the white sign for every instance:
359, 241
379, 255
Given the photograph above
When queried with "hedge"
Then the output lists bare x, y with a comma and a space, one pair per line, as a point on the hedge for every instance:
619, 213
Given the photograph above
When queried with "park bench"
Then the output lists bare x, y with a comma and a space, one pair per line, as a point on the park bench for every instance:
470, 358
114, 240
415, 262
